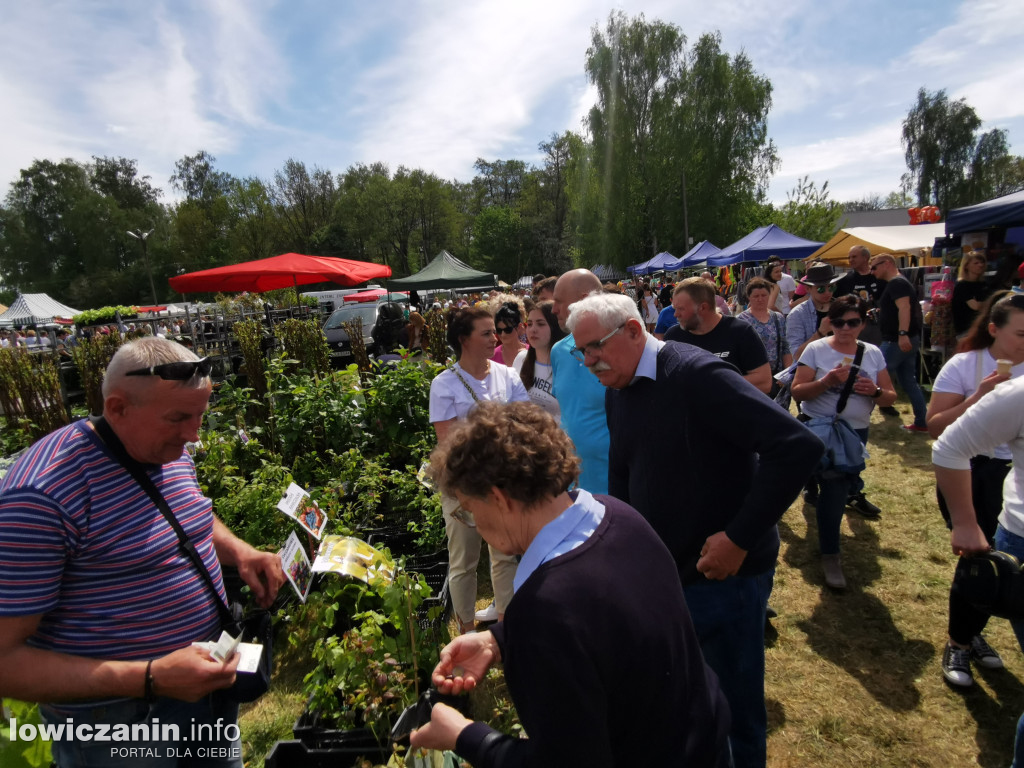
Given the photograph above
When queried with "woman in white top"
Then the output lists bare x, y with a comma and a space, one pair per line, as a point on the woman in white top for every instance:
783, 286
650, 307
534, 364
996, 334
453, 394
818, 383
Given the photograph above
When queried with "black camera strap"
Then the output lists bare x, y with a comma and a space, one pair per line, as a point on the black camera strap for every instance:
848, 386
137, 471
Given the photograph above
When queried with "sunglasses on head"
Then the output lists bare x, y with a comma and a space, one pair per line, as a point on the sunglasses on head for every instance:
853, 322
180, 371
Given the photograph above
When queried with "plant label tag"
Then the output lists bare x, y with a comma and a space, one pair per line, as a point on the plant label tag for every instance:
297, 504
295, 564
243, 437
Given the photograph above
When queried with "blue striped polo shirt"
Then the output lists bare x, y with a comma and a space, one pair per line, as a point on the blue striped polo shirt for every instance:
82, 544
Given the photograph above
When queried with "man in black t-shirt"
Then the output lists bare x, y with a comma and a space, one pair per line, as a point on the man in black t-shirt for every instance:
730, 339
860, 280
900, 320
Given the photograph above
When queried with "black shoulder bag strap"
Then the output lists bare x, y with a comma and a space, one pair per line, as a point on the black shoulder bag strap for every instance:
848, 386
113, 442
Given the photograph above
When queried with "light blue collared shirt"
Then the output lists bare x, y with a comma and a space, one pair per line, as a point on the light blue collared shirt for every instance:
648, 365
563, 534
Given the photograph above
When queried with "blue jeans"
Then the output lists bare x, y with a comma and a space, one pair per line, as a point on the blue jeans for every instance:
729, 618
197, 744
1018, 745
902, 367
1012, 544
833, 493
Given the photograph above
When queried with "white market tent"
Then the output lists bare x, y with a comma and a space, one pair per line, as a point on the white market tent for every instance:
35, 309
906, 240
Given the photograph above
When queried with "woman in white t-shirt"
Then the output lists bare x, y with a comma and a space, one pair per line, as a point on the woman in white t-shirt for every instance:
453, 394
534, 364
996, 334
783, 286
818, 383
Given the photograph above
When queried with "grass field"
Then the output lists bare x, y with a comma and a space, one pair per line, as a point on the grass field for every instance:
852, 678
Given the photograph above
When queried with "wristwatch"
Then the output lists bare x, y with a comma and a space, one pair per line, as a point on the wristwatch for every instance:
878, 393
904, 333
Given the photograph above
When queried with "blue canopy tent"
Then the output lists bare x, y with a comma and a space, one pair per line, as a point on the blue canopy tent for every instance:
697, 255
663, 262
1005, 211
762, 243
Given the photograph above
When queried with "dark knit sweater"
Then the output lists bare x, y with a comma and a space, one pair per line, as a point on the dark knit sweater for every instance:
602, 661
700, 451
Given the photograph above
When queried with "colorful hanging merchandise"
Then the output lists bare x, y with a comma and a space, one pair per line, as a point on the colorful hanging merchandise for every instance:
943, 338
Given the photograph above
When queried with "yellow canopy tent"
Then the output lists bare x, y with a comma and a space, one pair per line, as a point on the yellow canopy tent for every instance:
906, 241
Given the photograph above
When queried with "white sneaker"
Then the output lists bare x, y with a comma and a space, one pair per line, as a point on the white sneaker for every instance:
490, 613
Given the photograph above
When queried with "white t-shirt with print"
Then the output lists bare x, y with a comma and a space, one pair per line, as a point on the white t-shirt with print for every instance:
820, 356
961, 374
540, 392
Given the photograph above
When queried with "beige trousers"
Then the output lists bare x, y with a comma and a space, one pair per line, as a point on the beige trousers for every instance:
463, 558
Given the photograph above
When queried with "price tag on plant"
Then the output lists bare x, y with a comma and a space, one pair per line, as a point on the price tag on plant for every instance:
296, 567
297, 504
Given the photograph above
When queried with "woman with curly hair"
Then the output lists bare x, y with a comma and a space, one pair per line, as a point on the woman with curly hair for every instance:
597, 603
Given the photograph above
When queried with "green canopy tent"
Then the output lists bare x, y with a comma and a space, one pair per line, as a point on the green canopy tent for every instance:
445, 271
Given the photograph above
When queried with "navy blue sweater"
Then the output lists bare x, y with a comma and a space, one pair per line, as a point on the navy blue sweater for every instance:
602, 661
701, 450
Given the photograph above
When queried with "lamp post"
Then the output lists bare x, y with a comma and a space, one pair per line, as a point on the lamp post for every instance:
140, 235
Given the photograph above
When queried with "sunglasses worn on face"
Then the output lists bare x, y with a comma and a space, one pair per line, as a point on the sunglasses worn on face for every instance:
853, 322
823, 288
503, 331
580, 353
181, 371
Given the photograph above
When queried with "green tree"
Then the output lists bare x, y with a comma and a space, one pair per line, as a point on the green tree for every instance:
304, 201
253, 221
678, 144
939, 144
498, 235
808, 212
63, 231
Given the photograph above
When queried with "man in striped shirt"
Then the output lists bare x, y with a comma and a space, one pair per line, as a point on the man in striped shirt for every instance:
98, 604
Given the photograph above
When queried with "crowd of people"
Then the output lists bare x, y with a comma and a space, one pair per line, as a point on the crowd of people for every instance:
714, 381
557, 425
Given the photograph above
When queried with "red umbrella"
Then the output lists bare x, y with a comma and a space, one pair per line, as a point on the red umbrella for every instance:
288, 269
373, 294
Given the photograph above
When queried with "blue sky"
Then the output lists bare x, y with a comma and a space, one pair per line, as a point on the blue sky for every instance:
437, 84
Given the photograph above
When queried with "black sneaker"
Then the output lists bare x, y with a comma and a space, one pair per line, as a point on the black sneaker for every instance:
956, 666
984, 654
889, 410
863, 507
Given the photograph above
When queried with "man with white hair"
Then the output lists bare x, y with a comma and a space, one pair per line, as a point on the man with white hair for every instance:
100, 604
713, 480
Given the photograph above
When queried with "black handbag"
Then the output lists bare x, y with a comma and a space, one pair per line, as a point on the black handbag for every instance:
255, 627
993, 583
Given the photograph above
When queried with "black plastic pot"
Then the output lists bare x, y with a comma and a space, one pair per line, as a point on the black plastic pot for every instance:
296, 754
